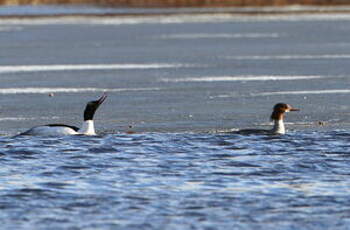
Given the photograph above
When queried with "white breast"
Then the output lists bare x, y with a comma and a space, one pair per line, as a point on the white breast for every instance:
87, 128
51, 131
278, 127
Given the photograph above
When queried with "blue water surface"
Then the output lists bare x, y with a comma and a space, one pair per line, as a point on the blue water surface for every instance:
176, 181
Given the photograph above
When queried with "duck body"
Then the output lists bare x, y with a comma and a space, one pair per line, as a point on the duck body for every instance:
277, 117
87, 127
52, 130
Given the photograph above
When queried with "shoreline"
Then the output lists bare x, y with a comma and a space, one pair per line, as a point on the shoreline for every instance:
47, 11
180, 3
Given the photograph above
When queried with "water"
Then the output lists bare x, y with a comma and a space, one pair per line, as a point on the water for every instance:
176, 181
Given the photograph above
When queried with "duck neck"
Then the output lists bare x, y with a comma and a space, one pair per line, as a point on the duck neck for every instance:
87, 128
278, 127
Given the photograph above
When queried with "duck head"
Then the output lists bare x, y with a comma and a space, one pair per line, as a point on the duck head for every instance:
280, 109
92, 106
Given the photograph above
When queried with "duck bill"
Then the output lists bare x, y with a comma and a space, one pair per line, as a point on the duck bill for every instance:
294, 109
102, 99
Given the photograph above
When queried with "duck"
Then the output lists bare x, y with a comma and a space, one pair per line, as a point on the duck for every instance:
277, 117
87, 127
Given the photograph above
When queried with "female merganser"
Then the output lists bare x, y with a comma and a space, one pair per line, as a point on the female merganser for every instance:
61, 129
277, 117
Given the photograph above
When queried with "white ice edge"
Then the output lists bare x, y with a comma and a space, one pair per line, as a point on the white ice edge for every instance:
243, 78
25, 118
46, 68
34, 90
290, 57
41, 68
279, 93
219, 35
304, 92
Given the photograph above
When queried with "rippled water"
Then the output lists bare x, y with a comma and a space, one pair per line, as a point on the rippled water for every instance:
176, 181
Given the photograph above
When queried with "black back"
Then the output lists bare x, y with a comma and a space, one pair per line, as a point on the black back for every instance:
252, 132
63, 125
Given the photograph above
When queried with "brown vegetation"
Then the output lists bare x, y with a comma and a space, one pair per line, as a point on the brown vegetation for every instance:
180, 3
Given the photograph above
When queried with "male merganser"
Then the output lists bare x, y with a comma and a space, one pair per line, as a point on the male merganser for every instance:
277, 117
61, 129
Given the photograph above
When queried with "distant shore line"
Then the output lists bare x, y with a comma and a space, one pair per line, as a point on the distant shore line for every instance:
37, 11
179, 3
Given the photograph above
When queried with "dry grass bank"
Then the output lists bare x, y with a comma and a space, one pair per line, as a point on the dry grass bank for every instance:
180, 3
